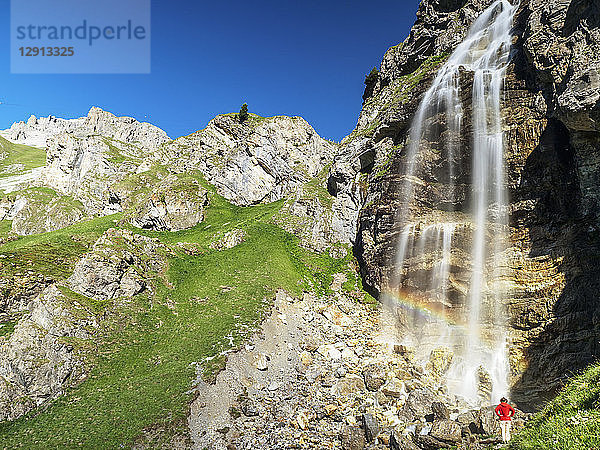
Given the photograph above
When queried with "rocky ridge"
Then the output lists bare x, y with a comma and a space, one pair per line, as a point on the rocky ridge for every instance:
260, 160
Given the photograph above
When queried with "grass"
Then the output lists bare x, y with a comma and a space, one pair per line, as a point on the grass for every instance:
571, 421
147, 350
30, 157
6, 328
52, 254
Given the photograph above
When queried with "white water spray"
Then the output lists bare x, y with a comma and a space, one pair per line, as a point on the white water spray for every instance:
484, 53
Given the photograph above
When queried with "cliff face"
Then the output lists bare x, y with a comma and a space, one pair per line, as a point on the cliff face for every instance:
550, 120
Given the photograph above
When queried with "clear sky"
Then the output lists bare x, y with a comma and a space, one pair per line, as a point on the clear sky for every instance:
305, 58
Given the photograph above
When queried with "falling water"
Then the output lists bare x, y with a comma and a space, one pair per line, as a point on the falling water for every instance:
430, 237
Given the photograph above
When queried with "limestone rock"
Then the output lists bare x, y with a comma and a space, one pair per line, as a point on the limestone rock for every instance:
394, 388
375, 376
418, 404
401, 442
173, 205
370, 426
261, 160
348, 386
446, 430
229, 240
440, 411
39, 211
353, 438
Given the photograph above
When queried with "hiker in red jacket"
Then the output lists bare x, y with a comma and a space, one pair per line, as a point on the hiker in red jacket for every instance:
505, 412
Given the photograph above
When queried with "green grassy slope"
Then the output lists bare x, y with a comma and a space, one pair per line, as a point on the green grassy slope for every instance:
143, 364
570, 422
30, 157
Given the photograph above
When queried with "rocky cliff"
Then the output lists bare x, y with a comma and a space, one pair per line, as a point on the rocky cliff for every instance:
550, 114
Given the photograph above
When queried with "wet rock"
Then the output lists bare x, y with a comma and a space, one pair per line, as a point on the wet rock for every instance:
371, 427
484, 384
487, 421
439, 362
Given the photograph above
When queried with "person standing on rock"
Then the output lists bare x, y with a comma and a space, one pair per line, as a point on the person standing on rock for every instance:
505, 412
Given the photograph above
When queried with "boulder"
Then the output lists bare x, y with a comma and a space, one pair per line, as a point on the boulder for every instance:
370, 426
353, 438
440, 411
400, 441
394, 388
418, 404
177, 203
375, 376
446, 430
349, 385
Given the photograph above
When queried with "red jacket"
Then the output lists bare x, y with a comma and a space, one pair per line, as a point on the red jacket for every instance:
504, 411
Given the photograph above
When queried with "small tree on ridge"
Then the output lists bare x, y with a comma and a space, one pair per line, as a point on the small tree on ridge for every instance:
243, 115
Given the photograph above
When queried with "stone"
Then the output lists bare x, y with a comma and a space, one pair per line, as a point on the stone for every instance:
418, 404
340, 372
375, 376
427, 442
260, 160
261, 361
302, 420
304, 361
484, 384
440, 361
349, 385
394, 388
330, 409
329, 351
487, 421
337, 317
229, 240
273, 386
353, 438
174, 204
370, 426
440, 411
446, 430
399, 441
36, 364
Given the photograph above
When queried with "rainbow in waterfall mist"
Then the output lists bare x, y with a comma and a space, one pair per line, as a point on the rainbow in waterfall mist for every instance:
432, 305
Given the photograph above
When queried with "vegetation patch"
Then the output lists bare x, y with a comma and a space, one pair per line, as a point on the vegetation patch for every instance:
571, 421
52, 254
18, 158
151, 348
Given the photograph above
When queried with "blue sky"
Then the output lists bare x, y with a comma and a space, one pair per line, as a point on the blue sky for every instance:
281, 57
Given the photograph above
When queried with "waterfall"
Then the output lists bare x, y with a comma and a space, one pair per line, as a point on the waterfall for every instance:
432, 244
